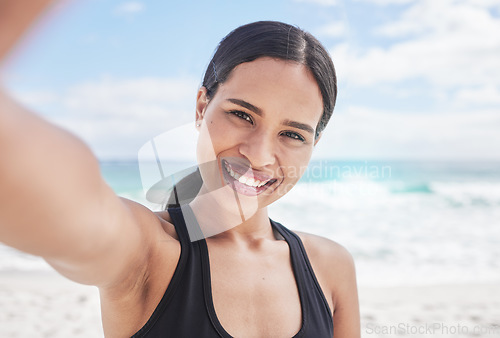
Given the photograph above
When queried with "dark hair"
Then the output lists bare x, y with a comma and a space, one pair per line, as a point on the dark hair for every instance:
277, 40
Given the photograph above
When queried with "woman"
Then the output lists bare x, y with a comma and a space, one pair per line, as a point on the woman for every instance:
216, 266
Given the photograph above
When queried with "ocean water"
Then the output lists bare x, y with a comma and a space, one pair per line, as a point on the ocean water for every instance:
405, 223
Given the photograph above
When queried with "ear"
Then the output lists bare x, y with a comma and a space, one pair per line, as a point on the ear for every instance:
201, 106
318, 138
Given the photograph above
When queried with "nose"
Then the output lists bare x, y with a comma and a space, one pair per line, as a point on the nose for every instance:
259, 149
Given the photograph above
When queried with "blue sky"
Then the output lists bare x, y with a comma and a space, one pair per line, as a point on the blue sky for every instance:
418, 79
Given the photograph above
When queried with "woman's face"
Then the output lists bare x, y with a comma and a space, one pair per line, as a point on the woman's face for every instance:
258, 130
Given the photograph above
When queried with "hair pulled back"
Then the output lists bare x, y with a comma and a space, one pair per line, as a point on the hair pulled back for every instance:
277, 40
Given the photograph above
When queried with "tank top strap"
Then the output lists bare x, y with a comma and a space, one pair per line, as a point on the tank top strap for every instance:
318, 316
185, 224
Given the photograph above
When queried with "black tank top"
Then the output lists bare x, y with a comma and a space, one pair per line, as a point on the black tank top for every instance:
186, 309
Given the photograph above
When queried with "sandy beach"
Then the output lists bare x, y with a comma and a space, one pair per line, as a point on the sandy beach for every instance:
431, 311
44, 304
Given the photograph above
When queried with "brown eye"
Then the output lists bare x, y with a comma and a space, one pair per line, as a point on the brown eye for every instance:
242, 115
293, 136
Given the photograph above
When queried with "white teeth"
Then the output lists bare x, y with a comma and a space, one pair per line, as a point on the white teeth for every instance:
235, 175
251, 182
243, 179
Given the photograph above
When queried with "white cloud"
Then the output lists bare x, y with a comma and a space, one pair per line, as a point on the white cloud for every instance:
365, 133
442, 18
388, 2
130, 97
449, 45
320, 2
37, 98
446, 43
483, 3
334, 29
115, 117
129, 8
484, 95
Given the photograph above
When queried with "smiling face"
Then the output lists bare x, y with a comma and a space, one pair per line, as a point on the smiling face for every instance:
258, 130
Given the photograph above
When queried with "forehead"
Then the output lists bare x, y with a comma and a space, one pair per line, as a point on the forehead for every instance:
276, 86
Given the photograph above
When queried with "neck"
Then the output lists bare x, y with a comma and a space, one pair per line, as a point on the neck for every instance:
232, 220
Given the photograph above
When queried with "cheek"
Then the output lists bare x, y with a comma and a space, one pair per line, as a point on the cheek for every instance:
296, 162
221, 136
211, 135
292, 168
207, 157
213, 140
204, 149
293, 174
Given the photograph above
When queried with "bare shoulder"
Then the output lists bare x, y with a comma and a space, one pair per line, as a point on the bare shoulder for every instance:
327, 253
157, 240
127, 306
334, 268
143, 252
159, 220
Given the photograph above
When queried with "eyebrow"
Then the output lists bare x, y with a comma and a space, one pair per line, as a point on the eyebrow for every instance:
299, 125
258, 111
247, 105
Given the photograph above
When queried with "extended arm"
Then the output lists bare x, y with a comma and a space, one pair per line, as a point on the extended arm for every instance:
15, 18
53, 201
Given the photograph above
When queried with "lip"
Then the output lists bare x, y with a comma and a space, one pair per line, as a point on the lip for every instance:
246, 171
